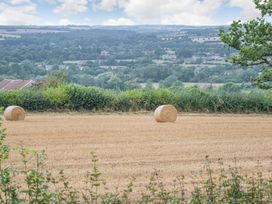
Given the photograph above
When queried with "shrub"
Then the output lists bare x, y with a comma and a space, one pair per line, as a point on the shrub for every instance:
13, 97
154, 98
57, 96
29, 99
131, 100
231, 88
196, 100
89, 98
34, 100
76, 97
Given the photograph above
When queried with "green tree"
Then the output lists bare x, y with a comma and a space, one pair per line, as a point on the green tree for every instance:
253, 41
231, 88
55, 78
169, 81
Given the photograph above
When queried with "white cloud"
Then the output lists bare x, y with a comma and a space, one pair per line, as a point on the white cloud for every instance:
68, 7
192, 12
18, 15
2, 6
106, 5
189, 12
166, 11
109, 5
249, 10
65, 22
51, 1
187, 19
16, 2
60, 22
68, 21
118, 22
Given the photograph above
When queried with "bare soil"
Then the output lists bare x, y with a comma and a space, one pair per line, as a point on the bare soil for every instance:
134, 144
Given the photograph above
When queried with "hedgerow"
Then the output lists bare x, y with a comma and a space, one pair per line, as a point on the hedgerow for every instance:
75, 97
89, 98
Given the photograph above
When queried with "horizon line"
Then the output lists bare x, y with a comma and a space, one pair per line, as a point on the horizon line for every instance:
81, 25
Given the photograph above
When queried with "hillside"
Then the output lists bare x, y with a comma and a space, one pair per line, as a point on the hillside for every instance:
119, 57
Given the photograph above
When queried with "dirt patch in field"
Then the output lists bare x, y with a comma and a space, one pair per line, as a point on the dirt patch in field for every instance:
135, 145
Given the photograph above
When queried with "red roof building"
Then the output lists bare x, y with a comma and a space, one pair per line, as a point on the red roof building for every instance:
8, 84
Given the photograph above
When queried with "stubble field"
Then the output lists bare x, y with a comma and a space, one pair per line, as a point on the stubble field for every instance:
134, 144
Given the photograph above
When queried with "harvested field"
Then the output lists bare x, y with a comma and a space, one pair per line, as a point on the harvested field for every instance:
135, 145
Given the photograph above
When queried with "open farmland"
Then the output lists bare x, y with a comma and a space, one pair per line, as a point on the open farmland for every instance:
134, 145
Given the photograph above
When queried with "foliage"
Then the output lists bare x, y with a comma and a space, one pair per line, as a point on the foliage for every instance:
229, 98
197, 100
171, 81
57, 96
11, 97
132, 57
89, 98
231, 88
34, 100
156, 97
55, 78
253, 42
265, 6
131, 100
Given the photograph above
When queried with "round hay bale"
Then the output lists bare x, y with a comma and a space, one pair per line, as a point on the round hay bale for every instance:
14, 113
166, 113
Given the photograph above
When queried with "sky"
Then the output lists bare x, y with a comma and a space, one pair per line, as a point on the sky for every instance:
125, 12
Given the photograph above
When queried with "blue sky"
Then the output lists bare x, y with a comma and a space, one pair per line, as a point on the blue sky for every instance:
125, 12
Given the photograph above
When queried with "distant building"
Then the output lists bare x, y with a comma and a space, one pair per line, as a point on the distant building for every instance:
113, 67
10, 36
79, 27
104, 53
170, 55
202, 39
49, 67
177, 35
77, 62
8, 84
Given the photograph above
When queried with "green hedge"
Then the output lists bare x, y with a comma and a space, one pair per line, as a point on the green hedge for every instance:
89, 98
76, 97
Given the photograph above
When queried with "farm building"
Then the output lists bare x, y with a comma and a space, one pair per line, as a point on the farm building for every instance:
203, 39
8, 84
